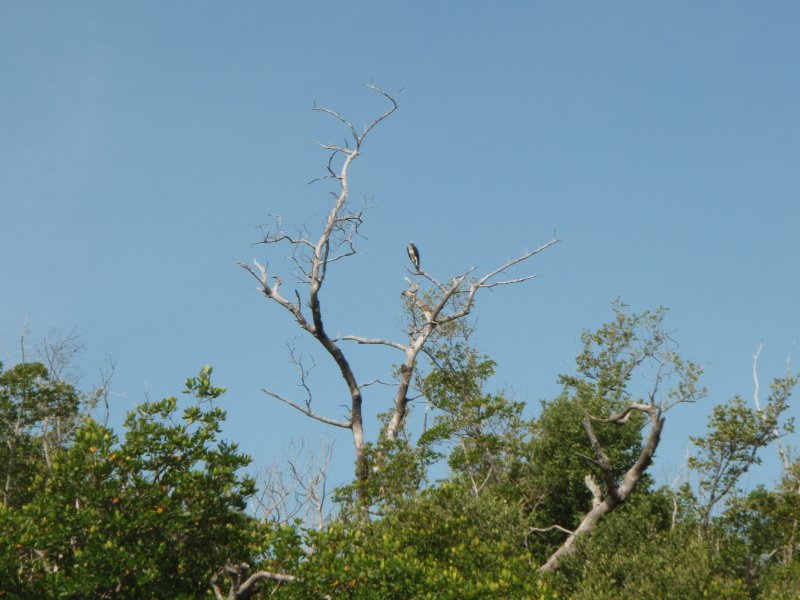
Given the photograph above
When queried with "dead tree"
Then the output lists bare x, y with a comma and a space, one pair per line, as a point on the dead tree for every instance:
313, 256
298, 490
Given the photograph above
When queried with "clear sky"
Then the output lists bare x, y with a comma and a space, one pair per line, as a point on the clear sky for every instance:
141, 143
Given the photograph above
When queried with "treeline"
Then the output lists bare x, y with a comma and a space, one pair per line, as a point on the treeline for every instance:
560, 505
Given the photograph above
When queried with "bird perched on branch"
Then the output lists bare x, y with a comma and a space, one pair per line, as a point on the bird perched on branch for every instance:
413, 255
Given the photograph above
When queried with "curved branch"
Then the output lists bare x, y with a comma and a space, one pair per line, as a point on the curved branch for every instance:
272, 293
261, 575
430, 277
551, 528
242, 586
372, 341
622, 417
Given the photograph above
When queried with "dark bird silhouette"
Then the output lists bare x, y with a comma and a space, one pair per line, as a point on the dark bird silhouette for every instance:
413, 255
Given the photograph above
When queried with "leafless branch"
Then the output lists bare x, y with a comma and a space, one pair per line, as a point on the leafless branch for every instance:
276, 500
336, 241
485, 280
430, 278
58, 353
242, 584
508, 282
622, 417
597, 495
755, 376
299, 490
783, 455
312, 255
681, 476
551, 528
378, 382
373, 341
436, 316
308, 412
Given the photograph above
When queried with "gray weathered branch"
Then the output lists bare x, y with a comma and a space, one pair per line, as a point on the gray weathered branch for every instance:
243, 585
335, 242
308, 412
436, 316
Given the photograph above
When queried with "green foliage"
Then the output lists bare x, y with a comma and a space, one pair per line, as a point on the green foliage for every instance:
561, 457
735, 435
616, 361
397, 471
444, 544
781, 582
646, 550
153, 515
763, 529
35, 413
157, 509
476, 431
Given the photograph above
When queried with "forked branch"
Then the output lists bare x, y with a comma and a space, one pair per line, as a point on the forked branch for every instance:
460, 302
242, 585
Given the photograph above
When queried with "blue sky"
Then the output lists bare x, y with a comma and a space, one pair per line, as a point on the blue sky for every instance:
142, 144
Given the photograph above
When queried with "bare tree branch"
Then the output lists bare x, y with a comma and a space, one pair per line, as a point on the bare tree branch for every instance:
597, 494
436, 317
243, 585
508, 282
755, 376
379, 382
300, 490
551, 528
308, 412
483, 281
373, 341
782, 454
622, 417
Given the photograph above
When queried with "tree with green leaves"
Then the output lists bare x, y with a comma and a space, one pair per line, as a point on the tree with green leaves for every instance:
628, 377
736, 434
34, 412
154, 514
551, 506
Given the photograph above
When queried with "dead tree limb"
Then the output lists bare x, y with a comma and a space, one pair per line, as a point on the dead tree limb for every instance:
438, 315
335, 242
242, 585
782, 453
312, 256
299, 491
